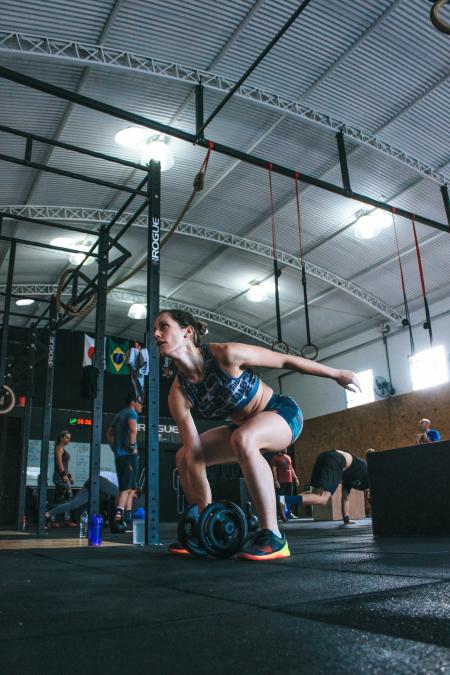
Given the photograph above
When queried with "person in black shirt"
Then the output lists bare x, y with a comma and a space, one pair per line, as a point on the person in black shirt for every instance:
330, 469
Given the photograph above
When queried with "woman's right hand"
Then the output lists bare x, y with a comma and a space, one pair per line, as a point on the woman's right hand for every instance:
349, 380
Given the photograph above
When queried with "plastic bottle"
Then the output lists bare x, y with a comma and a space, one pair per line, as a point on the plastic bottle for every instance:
139, 527
84, 522
95, 530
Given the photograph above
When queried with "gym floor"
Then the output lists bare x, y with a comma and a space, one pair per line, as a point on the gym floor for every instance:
343, 603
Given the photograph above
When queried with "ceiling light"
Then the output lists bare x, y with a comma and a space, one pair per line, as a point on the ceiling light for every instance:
78, 258
158, 150
257, 293
62, 241
137, 311
371, 224
23, 302
131, 137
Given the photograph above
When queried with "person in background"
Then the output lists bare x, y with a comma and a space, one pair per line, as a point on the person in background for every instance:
121, 436
426, 433
108, 488
138, 364
330, 469
284, 478
61, 476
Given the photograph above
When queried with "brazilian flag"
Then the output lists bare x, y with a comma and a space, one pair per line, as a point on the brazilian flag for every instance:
116, 361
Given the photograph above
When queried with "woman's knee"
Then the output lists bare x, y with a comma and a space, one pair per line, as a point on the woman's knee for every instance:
180, 458
242, 445
186, 458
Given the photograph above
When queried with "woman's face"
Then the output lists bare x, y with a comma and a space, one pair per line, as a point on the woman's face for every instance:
66, 439
169, 335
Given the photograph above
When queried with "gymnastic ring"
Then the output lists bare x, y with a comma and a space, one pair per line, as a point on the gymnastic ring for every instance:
280, 346
437, 20
6, 393
312, 354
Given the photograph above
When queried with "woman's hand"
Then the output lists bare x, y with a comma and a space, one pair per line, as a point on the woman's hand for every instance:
348, 380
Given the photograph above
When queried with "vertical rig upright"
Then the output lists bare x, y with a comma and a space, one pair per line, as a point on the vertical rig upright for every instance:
6, 313
97, 408
152, 383
26, 428
47, 419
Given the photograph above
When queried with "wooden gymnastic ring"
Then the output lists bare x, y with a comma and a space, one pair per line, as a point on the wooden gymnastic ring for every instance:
437, 21
314, 354
6, 392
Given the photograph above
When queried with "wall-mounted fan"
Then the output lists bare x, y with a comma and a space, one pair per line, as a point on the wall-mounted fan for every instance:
383, 388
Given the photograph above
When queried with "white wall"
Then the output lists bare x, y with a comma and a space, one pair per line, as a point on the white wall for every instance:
320, 396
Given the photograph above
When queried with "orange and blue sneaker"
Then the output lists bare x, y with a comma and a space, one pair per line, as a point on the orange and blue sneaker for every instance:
265, 545
178, 549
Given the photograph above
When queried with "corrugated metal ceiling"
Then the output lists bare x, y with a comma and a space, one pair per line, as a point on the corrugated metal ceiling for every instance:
379, 66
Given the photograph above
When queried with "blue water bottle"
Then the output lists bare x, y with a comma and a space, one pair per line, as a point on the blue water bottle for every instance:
139, 527
95, 530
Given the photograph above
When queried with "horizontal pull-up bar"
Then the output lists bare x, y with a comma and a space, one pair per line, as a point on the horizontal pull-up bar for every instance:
72, 148
71, 174
47, 223
28, 242
114, 111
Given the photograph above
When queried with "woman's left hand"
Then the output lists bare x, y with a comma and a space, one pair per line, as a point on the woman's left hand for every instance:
348, 380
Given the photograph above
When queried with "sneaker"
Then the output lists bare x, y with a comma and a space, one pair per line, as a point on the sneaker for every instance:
117, 527
265, 545
177, 549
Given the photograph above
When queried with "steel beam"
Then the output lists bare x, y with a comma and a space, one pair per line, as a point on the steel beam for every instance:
250, 246
89, 54
97, 407
70, 174
46, 421
6, 312
263, 163
26, 427
255, 63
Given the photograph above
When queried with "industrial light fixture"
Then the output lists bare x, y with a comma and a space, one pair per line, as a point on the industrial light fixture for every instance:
77, 258
82, 246
151, 146
131, 137
258, 292
369, 225
64, 242
158, 149
137, 311
23, 302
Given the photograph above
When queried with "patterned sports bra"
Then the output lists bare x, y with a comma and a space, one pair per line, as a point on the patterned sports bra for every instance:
219, 394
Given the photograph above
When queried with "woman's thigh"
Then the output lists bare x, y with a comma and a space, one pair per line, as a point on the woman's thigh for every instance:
216, 446
268, 431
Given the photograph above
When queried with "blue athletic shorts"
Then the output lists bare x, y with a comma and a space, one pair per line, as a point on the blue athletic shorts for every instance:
288, 409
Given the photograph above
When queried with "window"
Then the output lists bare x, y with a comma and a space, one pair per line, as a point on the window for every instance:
429, 368
366, 395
